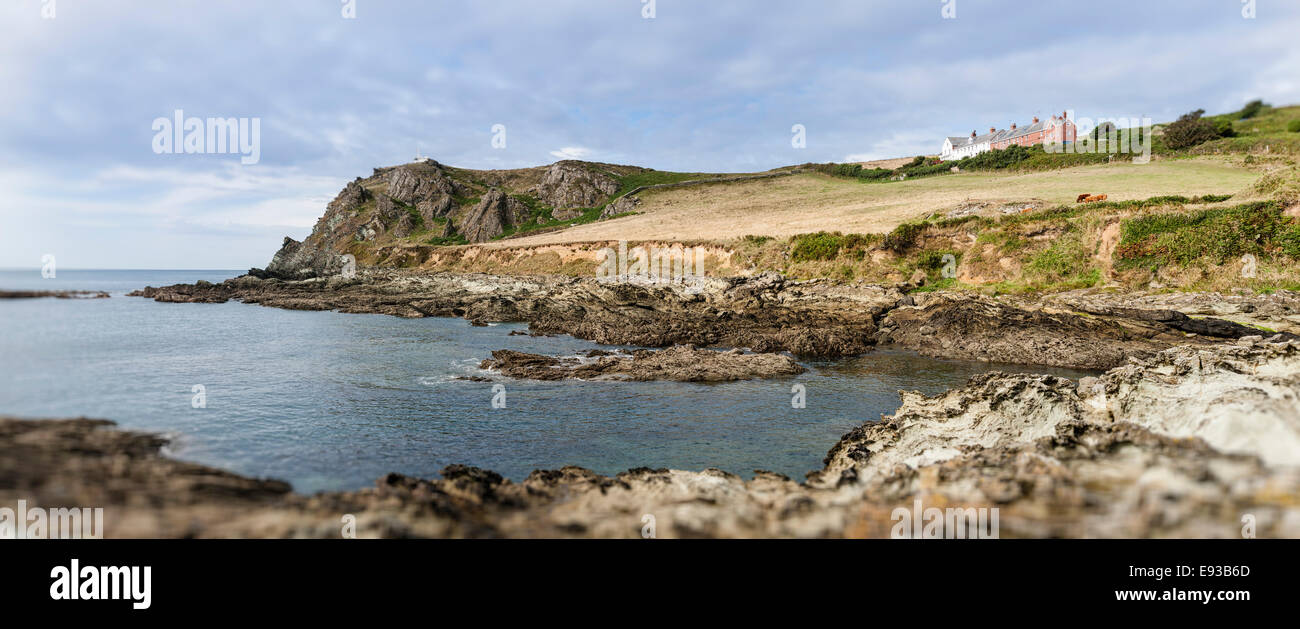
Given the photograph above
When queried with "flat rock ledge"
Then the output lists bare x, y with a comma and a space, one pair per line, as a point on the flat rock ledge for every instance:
683, 363
57, 294
1186, 443
769, 313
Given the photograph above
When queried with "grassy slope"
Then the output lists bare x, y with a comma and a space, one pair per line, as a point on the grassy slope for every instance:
818, 225
812, 202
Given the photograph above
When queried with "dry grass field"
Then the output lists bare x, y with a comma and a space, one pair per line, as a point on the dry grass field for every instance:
814, 202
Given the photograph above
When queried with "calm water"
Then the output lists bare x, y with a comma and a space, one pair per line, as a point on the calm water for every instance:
333, 401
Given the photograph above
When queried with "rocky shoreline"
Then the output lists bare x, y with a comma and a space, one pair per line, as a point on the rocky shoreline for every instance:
1191, 442
1193, 426
769, 313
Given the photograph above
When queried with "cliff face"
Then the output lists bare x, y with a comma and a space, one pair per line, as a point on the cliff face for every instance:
492, 216
428, 202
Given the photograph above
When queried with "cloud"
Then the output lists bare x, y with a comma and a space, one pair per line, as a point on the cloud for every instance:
571, 152
705, 86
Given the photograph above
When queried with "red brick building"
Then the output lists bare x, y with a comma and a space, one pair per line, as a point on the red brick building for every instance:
1057, 129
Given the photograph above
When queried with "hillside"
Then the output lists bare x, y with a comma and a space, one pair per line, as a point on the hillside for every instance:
811, 202
1008, 218
427, 203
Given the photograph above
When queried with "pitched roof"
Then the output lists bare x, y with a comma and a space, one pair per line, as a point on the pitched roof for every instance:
1000, 135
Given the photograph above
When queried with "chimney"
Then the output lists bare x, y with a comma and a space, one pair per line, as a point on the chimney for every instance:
1035, 119
992, 130
1013, 126
972, 135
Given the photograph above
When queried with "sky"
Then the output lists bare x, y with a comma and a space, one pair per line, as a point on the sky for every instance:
339, 87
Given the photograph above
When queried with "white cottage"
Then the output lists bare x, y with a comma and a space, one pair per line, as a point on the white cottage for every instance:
957, 147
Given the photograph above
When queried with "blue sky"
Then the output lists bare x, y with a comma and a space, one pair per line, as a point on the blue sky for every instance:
703, 86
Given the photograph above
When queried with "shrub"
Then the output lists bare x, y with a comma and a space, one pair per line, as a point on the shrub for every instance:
903, 236
926, 170
1189, 130
875, 173
933, 260
1252, 109
996, 159
1217, 235
818, 246
1293, 126
1211, 198
1067, 263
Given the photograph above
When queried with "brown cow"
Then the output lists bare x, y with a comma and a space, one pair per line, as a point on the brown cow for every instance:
1082, 197
1094, 198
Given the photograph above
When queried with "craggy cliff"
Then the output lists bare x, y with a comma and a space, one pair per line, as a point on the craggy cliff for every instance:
426, 201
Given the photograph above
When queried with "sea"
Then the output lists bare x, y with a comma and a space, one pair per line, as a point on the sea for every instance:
330, 401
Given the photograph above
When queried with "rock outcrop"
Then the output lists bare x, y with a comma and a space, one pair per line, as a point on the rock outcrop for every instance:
684, 363
764, 313
300, 261
495, 213
413, 184
982, 328
410, 203
341, 216
571, 184
1276, 311
621, 205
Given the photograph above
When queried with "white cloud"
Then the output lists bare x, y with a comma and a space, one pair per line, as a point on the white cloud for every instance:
571, 152
715, 86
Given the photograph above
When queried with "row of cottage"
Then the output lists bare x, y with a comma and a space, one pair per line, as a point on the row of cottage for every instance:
1057, 129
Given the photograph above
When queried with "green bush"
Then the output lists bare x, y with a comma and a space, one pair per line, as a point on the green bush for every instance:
1252, 109
875, 174
1293, 126
1217, 235
1191, 129
1066, 263
848, 170
904, 236
1211, 198
926, 170
996, 159
933, 260
818, 246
